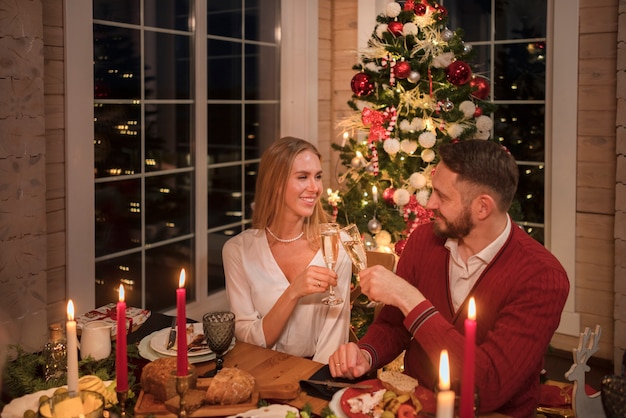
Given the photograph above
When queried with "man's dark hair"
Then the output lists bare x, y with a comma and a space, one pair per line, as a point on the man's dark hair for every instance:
483, 163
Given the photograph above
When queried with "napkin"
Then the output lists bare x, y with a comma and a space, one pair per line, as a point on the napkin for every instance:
323, 391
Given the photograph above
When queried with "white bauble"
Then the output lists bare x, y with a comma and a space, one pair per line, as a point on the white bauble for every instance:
404, 125
401, 197
417, 124
383, 238
428, 155
417, 180
393, 9
468, 108
409, 28
422, 197
484, 123
391, 146
381, 29
408, 146
455, 130
427, 139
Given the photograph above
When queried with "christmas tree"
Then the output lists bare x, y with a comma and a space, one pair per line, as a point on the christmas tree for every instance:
414, 90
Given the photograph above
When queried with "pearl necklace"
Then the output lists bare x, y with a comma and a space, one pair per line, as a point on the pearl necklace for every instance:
285, 241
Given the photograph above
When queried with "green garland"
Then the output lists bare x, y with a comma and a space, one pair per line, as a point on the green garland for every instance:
25, 374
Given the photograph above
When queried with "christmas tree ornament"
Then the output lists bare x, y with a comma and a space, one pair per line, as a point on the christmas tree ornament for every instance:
468, 108
362, 84
408, 146
458, 73
467, 48
478, 112
391, 146
402, 69
356, 163
409, 5
427, 139
414, 77
480, 87
447, 106
428, 155
395, 28
447, 35
374, 226
393, 9
410, 29
419, 9
388, 195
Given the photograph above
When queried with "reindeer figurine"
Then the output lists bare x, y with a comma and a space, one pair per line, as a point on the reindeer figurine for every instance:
585, 406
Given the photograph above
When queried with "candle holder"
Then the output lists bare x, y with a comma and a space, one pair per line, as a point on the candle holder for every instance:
182, 386
121, 399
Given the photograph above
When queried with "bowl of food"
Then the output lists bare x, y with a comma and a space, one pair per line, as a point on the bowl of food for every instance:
66, 404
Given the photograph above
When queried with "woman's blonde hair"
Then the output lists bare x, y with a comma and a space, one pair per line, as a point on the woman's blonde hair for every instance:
274, 171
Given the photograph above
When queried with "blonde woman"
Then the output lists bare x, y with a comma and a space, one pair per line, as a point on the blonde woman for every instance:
275, 273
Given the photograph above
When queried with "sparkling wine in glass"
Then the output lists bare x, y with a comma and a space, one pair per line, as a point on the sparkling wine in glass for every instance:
219, 330
329, 237
352, 242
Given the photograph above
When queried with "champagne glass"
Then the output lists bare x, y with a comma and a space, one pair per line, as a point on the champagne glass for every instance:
355, 247
329, 235
219, 330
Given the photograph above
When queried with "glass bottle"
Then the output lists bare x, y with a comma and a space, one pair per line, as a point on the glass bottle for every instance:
55, 353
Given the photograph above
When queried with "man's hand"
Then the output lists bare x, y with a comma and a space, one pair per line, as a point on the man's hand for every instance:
349, 361
382, 285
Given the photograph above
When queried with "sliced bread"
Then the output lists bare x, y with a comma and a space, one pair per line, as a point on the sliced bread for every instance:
398, 382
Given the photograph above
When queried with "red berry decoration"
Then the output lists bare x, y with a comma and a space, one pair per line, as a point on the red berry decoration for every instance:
459, 73
362, 84
419, 9
402, 69
395, 28
480, 87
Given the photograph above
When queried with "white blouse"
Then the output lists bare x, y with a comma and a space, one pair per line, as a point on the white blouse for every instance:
254, 282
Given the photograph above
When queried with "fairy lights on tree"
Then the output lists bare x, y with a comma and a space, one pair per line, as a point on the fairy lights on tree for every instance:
414, 90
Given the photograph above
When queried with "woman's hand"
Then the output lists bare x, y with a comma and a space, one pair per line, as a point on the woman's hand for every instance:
314, 279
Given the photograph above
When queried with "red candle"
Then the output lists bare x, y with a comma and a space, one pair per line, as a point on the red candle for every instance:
181, 325
121, 360
467, 384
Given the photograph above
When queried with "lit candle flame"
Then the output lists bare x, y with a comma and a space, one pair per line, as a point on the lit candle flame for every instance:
444, 371
121, 293
471, 310
70, 310
181, 280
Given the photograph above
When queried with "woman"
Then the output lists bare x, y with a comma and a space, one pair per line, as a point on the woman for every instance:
275, 274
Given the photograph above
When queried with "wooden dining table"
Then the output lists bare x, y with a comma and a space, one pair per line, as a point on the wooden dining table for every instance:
275, 373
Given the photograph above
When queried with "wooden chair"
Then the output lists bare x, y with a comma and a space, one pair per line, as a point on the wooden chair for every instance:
374, 258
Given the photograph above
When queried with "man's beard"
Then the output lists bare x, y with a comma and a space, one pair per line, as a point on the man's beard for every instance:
459, 228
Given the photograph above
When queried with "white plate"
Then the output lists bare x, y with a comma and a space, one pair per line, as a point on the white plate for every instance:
270, 411
149, 354
159, 342
335, 404
17, 407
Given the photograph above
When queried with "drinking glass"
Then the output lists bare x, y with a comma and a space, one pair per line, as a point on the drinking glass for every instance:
219, 330
329, 236
355, 247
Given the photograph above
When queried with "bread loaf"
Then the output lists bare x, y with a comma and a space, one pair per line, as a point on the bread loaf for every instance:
230, 386
398, 382
159, 378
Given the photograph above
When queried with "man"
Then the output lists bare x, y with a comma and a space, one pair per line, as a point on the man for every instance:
472, 248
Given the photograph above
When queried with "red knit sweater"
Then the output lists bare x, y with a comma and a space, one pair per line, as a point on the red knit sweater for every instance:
519, 299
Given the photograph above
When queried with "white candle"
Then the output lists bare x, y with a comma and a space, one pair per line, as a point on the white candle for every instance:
375, 194
72, 349
445, 396
345, 138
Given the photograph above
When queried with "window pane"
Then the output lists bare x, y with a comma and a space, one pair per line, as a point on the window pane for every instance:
480, 60
520, 19
117, 144
473, 16
224, 70
261, 20
163, 265
249, 187
168, 136
224, 18
224, 133
167, 66
224, 196
214, 261
261, 128
261, 66
168, 206
118, 216
116, 63
521, 128
126, 11
168, 14
530, 193
111, 273
520, 71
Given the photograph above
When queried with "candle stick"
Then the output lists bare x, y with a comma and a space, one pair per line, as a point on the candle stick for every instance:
121, 359
467, 384
345, 138
72, 349
181, 324
375, 194
445, 396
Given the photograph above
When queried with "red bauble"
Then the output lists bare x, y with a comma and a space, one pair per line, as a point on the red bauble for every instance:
388, 195
478, 112
409, 5
459, 73
480, 87
419, 9
395, 28
362, 84
442, 12
399, 247
402, 69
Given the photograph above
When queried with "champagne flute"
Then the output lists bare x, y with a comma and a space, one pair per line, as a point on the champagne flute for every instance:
355, 247
329, 236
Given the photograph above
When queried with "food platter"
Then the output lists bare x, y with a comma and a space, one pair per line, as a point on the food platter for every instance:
425, 396
159, 340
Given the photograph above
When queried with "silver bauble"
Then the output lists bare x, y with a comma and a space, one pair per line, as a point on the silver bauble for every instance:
467, 48
447, 106
374, 226
447, 34
414, 77
356, 163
